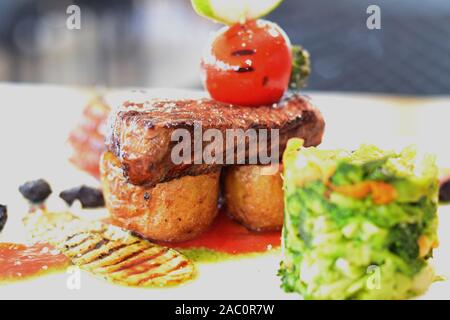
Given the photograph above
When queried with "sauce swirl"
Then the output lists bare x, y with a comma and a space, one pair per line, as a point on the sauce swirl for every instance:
228, 236
19, 262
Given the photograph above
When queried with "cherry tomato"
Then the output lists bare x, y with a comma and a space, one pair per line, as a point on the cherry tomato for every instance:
248, 64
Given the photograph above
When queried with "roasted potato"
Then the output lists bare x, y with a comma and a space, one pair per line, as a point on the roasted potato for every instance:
254, 199
174, 211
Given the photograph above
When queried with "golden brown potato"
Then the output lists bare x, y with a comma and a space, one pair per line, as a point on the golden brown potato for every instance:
254, 199
177, 210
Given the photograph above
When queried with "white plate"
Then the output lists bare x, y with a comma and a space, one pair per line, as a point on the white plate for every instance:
34, 125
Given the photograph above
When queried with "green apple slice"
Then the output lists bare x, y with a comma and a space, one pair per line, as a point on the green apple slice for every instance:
234, 11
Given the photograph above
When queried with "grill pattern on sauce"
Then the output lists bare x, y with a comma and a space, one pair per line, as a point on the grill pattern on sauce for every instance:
109, 252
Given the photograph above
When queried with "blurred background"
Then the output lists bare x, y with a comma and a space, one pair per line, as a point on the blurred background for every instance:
158, 43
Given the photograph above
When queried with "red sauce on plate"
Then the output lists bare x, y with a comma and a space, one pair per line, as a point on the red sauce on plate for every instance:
228, 236
18, 261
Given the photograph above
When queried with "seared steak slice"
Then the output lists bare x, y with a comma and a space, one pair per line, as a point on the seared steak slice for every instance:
140, 133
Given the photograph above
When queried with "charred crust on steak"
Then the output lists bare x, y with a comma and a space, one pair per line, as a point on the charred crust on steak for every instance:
140, 132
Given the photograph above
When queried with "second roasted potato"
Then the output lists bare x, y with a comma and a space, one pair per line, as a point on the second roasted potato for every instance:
254, 199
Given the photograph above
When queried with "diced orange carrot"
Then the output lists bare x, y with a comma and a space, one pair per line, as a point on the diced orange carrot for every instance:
382, 192
425, 245
359, 190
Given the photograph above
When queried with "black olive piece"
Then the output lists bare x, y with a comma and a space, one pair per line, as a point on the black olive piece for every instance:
3, 216
36, 191
70, 195
88, 196
91, 197
444, 191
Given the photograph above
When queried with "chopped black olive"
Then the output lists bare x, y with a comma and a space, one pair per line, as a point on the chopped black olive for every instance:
88, 197
36, 191
3, 216
91, 197
70, 195
444, 191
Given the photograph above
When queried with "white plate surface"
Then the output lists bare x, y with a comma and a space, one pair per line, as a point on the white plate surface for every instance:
34, 125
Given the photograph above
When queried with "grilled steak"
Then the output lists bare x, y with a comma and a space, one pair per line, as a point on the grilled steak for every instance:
140, 134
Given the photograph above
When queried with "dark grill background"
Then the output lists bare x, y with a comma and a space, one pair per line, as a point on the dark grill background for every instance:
159, 43
409, 55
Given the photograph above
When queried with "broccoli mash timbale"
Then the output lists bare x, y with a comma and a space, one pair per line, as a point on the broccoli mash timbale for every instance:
358, 225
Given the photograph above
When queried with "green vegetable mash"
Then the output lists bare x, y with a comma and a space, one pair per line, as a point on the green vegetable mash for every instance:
349, 245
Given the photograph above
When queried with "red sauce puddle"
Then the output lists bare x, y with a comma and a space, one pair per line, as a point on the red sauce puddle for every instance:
19, 262
228, 236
